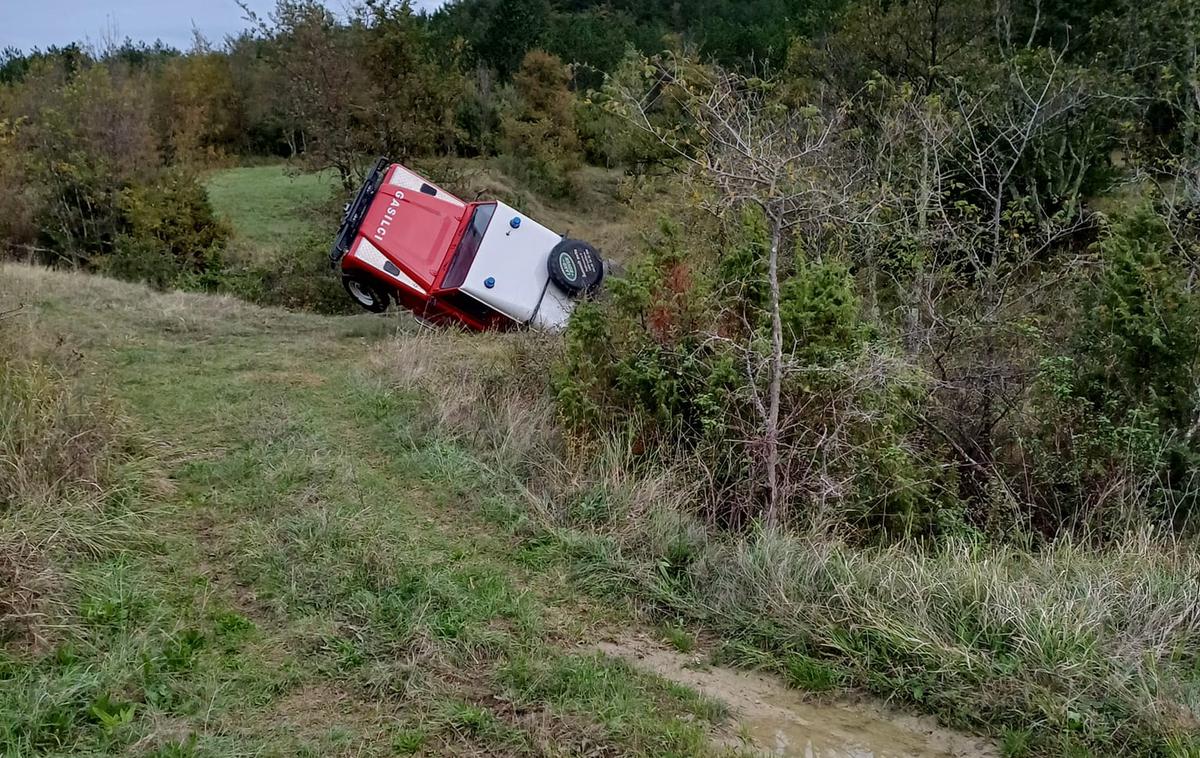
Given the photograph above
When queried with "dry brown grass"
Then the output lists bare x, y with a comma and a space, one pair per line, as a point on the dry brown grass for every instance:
54, 442
59, 446
484, 388
26, 584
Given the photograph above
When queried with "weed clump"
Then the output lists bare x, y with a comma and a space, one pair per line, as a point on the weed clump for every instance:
59, 450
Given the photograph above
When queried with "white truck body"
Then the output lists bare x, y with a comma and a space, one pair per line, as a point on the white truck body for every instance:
512, 259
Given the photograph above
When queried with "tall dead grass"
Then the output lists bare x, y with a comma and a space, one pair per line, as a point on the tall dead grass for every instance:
1094, 646
59, 449
54, 443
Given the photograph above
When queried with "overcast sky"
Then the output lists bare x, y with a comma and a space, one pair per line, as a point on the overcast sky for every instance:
25, 24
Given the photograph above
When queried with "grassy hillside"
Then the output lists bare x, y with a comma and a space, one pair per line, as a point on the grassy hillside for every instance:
276, 546
303, 534
291, 567
271, 208
312, 535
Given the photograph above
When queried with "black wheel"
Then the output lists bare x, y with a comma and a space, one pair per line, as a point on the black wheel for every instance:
575, 267
367, 294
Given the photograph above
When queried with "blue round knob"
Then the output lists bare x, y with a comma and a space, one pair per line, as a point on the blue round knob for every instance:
515, 223
489, 282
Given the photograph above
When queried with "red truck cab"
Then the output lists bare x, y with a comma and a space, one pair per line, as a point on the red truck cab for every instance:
482, 265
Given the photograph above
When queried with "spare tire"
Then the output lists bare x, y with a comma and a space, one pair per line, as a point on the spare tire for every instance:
575, 267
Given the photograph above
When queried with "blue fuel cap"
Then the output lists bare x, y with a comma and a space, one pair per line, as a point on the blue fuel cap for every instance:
515, 223
489, 282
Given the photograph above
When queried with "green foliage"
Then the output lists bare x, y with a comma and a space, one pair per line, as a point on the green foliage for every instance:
73, 142
86, 174
1142, 324
596, 33
298, 280
15, 66
672, 357
171, 236
415, 88
198, 107
636, 146
477, 117
594, 40
820, 311
1123, 404
18, 205
111, 715
640, 351
540, 134
514, 28
742, 269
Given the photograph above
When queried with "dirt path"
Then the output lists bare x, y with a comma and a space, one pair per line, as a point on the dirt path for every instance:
776, 720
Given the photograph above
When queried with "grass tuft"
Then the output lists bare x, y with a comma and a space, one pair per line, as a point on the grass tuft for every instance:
61, 451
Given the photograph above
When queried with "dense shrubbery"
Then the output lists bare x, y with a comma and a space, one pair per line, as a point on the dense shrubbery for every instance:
540, 134
1098, 439
966, 345
87, 185
671, 357
170, 236
297, 279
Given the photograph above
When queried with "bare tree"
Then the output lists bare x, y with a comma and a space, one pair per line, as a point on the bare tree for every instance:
791, 163
964, 185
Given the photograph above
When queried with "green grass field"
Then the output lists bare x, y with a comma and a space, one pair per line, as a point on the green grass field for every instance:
270, 206
299, 570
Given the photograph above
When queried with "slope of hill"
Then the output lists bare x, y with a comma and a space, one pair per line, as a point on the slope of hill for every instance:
304, 565
302, 582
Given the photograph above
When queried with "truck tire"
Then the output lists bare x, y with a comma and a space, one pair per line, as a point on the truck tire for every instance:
367, 294
575, 267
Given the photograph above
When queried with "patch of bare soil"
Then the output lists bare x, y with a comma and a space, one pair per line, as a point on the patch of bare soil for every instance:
772, 719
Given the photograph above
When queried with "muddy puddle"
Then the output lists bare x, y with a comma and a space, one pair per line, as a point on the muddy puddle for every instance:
771, 719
